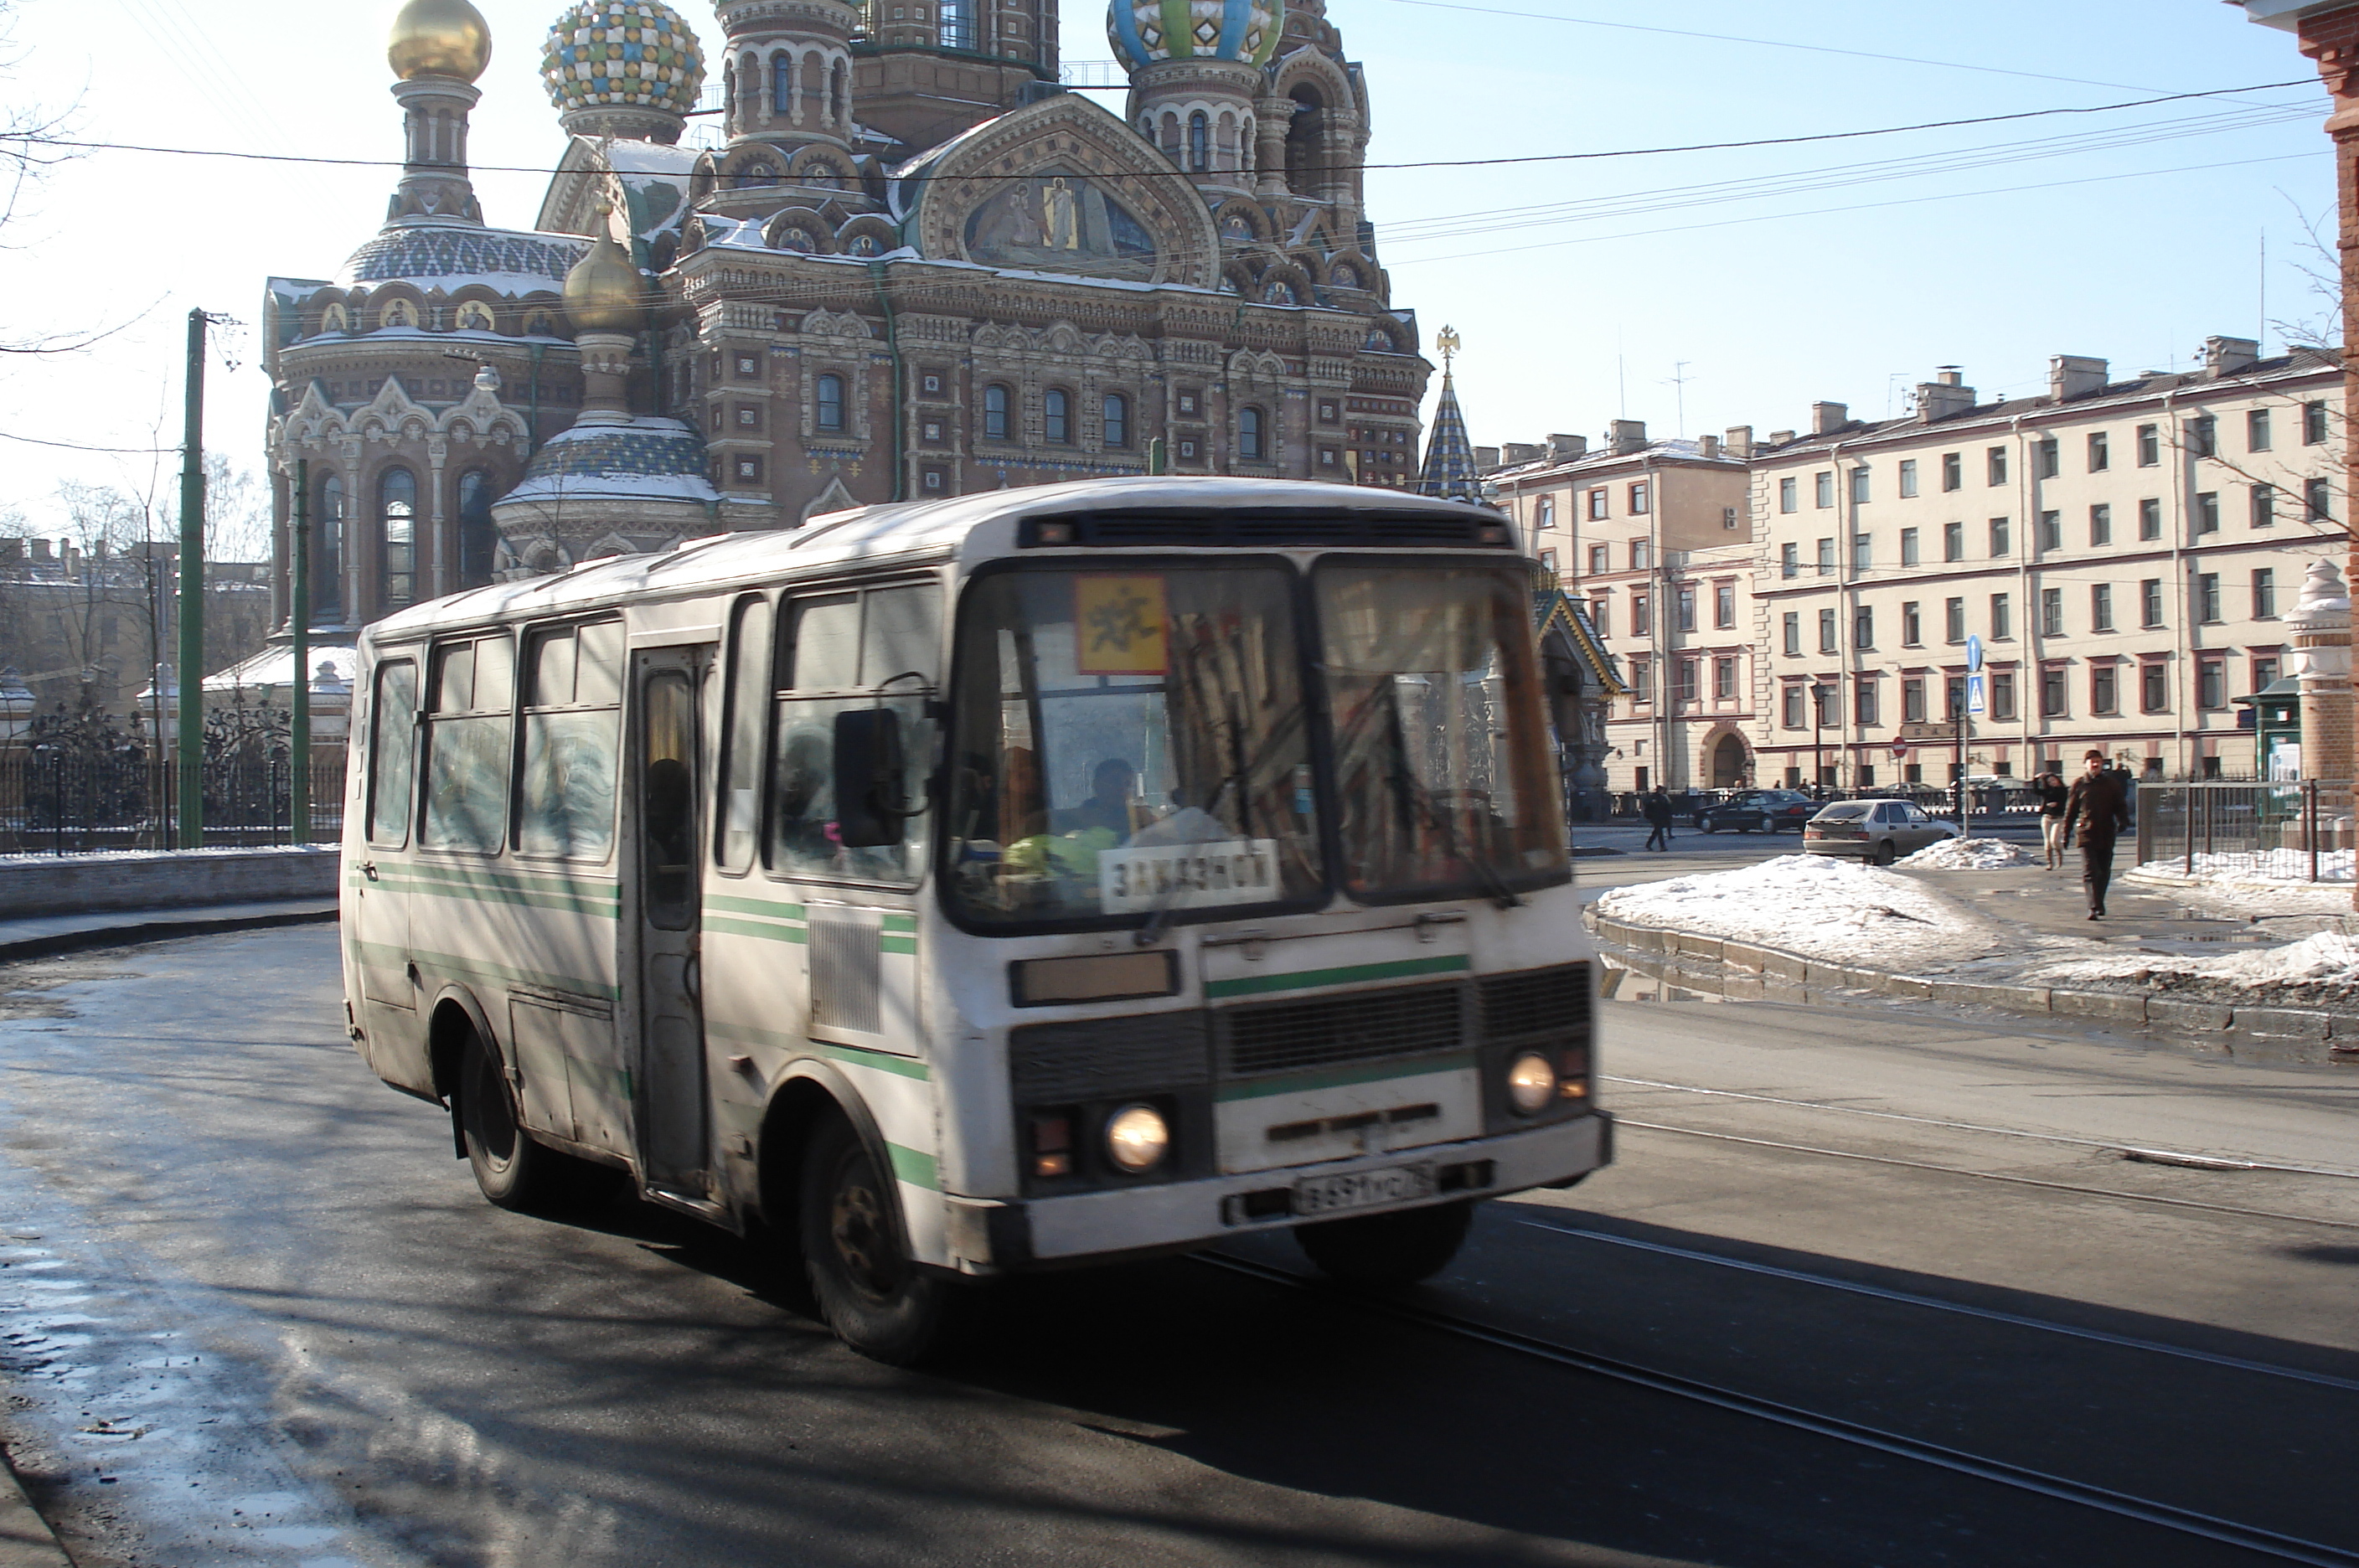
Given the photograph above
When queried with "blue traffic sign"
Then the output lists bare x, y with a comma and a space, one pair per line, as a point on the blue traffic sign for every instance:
1974, 654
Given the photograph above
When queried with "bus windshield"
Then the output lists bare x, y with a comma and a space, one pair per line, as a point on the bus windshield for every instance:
1444, 779
1127, 744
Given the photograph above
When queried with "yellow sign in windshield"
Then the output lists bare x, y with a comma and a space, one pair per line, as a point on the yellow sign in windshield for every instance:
1120, 621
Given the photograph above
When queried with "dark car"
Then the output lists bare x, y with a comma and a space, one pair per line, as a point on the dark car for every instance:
1757, 811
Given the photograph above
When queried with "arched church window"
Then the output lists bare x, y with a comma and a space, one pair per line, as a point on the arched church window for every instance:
997, 401
957, 24
328, 555
840, 92
782, 83
1057, 417
400, 313
396, 493
1115, 419
478, 540
1304, 166
828, 400
1249, 436
1200, 142
474, 316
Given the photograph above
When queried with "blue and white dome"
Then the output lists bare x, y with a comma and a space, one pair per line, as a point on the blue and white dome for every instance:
447, 256
642, 460
1144, 32
633, 54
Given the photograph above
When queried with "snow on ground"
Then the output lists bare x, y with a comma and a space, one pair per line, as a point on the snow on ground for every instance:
2320, 971
2258, 865
1820, 907
1968, 855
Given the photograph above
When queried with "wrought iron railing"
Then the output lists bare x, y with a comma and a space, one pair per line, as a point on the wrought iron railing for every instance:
2279, 833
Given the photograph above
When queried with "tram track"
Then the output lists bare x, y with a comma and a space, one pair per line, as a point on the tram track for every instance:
2194, 1523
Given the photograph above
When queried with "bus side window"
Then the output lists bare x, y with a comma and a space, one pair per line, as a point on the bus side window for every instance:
738, 821
842, 649
573, 728
467, 753
393, 752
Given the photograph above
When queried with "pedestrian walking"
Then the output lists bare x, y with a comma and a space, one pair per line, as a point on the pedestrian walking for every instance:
2095, 811
2048, 787
1659, 813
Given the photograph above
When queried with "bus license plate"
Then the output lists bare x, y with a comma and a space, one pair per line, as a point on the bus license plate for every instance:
1361, 1190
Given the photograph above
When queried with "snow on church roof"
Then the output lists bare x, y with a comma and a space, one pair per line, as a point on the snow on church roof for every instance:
448, 256
646, 460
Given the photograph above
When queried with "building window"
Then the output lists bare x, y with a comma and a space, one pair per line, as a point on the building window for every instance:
1791, 710
1953, 542
2101, 525
2002, 698
2002, 538
2153, 686
2318, 500
1954, 620
1544, 512
1687, 607
1790, 560
1827, 632
1723, 679
1598, 617
2257, 429
1057, 417
2101, 455
1642, 679
748, 368
1114, 417
1787, 500
1908, 476
2313, 424
1642, 615
1954, 471
1863, 701
1639, 502
2207, 597
1863, 554
1825, 484
1994, 462
1200, 142
2149, 446
2001, 621
2051, 457
2052, 611
2264, 593
1912, 625
2102, 696
1793, 627
1862, 627
1599, 502
1687, 693
829, 400
996, 400
1908, 551
1723, 605
1601, 559
328, 554
2211, 683
2207, 512
478, 540
1826, 558
1859, 485
2263, 505
2052, 693
397, 494
2264, 674
2203, 435
1912, 700
2101, 606
1641, 558
2150, 518
749, 470
748, 416
2051, 530
2150, 601
1249, 441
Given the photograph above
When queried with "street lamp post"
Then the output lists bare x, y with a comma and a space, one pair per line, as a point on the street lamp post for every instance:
1817, 758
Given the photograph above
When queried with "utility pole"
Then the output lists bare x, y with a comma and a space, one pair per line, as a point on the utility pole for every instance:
299, 701
191, 683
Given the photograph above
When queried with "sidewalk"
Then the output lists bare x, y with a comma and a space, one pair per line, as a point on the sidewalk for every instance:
25, 1540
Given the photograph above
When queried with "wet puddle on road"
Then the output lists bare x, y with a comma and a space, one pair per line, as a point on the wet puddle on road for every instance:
1618, 981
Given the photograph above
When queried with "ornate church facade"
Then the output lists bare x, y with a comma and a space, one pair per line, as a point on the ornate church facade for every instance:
916, 269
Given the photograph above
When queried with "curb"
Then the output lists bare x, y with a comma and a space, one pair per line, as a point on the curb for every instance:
26, 1539
1754, 967
155, 929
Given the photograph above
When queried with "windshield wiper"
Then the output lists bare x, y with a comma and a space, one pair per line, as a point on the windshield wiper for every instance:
1410, 791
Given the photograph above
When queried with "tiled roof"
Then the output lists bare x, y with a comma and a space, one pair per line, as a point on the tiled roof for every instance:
1450, 474
450, 255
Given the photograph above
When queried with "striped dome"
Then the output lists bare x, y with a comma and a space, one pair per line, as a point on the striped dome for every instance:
1146, 31
623, 53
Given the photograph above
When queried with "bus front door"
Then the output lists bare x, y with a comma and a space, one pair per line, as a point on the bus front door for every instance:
666, 787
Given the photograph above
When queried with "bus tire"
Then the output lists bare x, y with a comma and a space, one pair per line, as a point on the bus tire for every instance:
876, 1300
511, 1170
1398, 1248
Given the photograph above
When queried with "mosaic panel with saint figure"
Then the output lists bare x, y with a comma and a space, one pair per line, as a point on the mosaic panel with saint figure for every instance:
1059, 221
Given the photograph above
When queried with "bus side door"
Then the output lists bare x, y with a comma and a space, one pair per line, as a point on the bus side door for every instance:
379, 926
664, 918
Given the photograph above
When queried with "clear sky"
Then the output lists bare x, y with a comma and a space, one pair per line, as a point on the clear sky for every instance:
1708, 289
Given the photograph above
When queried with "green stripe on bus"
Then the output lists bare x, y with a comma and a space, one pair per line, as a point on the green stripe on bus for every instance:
1304, 979
897, 943
776, 909
394, 957
859, 1056
902, 924
511, 877
756, 928
1342, 1077
604, 908
916, 1169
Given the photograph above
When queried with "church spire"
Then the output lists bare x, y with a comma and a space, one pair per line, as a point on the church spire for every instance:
1449, 471
439, 50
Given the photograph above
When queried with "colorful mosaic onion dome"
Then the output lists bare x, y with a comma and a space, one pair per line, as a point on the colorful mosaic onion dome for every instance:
439, 37
623, 53
1146, 31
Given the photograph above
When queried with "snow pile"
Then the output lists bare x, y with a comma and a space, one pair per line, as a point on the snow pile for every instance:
1815, 906
2257, 865
1968, 855
2321, 969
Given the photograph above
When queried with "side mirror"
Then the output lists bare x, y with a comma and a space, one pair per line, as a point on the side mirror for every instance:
869, 809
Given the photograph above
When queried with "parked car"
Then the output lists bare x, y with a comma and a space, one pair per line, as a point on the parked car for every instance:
1877, 831
1757, 811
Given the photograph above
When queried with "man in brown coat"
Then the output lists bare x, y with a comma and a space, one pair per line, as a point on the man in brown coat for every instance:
2097, 809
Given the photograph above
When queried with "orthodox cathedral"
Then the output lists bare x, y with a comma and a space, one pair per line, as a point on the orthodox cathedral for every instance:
915, 267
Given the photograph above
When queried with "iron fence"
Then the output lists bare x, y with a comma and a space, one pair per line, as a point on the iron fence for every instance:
2281, 833
57, 800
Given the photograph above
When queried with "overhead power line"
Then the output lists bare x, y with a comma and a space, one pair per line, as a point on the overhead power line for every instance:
79, 446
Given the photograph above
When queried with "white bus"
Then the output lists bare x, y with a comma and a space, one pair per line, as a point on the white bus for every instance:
984, 884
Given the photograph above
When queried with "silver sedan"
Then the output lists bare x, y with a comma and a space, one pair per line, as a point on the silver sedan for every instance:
1877, 831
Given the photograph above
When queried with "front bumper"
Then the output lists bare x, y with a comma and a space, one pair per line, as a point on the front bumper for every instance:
996, 1237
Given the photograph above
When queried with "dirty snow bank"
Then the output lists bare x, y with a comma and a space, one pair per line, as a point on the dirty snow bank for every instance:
1968, 855
1817, 907
2321, 970
2257, 865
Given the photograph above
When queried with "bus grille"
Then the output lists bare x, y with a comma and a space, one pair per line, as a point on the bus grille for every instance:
1537, 1001
1368, 1027
1097, 1059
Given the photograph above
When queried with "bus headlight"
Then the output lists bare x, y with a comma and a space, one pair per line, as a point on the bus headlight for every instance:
1531, 1083
1136, 1139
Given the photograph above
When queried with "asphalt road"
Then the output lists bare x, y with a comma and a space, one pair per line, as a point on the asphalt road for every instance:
253, 1312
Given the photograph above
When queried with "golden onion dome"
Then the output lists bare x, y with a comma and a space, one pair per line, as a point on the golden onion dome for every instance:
439, 37
605, 293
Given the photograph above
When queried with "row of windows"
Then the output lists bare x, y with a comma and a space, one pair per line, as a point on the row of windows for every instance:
1056, 423
2200, 438
1686, 680
1814, 705
1684, 610
391, 527
2207, 605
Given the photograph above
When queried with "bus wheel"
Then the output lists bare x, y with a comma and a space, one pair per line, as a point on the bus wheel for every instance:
513, 1171
872, 1295
1388, 1249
